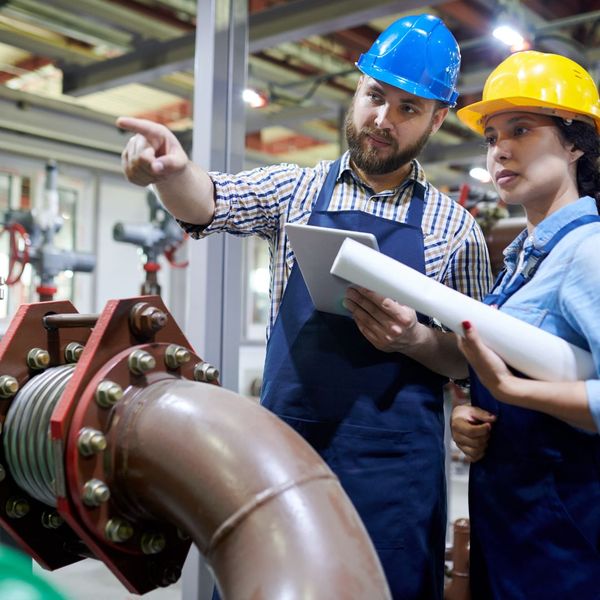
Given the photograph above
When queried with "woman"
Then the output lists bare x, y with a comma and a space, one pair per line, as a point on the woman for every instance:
534, 492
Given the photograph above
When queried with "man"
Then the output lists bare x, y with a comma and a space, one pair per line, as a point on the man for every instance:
366, 391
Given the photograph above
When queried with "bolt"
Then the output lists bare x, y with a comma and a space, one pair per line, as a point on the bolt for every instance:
205, 372
51, 520
108, 393
169, 575
141, 362
118, 530
73, 352
145, 319
9, 386
152, 543
182, 535
95, 493
37, 358
17, 507
91, 441
176, 356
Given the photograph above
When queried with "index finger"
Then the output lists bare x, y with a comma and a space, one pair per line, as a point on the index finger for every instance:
153, 132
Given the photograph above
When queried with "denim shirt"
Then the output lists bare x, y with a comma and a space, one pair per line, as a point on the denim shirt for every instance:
563, 297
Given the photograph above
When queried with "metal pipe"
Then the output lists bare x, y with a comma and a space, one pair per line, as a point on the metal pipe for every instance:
269, 516
70, 320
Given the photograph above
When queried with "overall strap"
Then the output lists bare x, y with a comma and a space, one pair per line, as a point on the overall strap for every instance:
534, 259
326, 192
417, 204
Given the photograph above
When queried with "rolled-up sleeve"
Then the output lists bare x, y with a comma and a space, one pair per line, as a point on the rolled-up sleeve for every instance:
250, 202
580, 300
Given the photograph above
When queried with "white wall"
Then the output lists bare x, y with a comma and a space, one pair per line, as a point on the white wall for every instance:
119, 272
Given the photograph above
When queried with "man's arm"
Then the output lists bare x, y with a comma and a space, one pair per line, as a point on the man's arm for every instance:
393, 327
154, 156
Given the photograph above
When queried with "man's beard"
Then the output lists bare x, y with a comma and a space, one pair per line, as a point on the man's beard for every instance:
367, 159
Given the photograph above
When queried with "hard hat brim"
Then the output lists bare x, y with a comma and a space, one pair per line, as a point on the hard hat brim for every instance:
475, 115
448, 98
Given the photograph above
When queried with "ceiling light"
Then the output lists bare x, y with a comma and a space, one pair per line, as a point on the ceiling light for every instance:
508, 35
480, 174
254, 99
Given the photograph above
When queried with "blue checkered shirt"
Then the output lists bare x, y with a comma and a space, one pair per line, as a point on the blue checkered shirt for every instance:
261, 201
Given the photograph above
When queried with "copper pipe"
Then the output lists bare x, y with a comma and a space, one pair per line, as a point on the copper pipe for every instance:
269, 516
69, 320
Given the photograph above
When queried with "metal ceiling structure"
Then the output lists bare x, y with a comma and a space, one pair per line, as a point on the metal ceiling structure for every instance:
96, 59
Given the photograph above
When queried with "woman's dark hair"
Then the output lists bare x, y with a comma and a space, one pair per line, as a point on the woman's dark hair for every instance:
585, 138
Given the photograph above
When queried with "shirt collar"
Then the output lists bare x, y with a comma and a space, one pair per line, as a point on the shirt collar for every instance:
416, 174
546, 229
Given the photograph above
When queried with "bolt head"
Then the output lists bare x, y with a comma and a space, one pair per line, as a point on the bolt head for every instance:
38, 358
118, 530
108, 393
73, 352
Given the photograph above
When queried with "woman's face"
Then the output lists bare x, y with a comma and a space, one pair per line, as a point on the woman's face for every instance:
528, 161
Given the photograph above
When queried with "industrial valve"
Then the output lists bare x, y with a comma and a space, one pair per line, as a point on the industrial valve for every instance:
31, 240
160, 235
117, 443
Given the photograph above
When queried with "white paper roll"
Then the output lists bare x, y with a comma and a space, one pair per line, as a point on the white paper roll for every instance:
534, 352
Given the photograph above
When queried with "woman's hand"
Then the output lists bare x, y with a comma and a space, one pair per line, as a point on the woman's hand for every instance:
471, 427
490, 368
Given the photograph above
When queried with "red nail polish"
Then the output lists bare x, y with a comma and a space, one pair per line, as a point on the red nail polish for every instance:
466, 325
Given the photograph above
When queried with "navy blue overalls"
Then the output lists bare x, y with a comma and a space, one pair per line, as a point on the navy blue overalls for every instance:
534, 498
376, 418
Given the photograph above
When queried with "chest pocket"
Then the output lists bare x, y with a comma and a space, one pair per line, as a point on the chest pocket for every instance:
530, 314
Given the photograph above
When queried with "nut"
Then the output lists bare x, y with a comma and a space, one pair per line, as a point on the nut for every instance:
204, 371
73, 352
95, 492
51, 520
152, 543
118, 530
146, 320
9, 386
16, 508
176, 356
141, 362
91, 441
108, 393
38, 358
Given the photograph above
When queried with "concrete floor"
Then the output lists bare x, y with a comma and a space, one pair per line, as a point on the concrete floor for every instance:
91, 580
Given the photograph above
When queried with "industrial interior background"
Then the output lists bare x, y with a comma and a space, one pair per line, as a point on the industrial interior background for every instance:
69, 67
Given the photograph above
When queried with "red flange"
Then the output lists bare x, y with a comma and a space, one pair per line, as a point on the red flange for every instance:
105, 358
50, 547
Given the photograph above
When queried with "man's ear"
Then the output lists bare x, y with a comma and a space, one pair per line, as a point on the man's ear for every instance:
439, 115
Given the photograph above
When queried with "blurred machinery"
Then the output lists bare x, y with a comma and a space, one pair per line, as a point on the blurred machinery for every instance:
118, 443
500, 226
32, 240
161, 235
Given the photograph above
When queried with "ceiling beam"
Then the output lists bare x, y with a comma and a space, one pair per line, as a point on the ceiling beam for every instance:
297, 20
289, 22
148, 62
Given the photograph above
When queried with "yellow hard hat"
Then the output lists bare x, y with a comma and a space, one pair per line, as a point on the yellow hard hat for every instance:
549, 84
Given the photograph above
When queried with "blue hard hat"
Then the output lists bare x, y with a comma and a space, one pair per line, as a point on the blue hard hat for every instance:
417, 54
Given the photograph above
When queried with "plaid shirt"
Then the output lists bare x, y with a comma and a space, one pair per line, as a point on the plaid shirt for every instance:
261, 201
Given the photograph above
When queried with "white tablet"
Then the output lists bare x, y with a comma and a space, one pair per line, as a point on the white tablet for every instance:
315, 249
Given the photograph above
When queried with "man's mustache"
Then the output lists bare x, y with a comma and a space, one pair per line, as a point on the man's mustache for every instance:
379, 133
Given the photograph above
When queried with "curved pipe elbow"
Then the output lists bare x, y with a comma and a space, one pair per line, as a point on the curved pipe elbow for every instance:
269, 516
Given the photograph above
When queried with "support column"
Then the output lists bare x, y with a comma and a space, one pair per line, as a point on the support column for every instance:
214, 276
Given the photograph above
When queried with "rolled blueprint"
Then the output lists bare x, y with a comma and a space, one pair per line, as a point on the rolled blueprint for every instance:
534, 352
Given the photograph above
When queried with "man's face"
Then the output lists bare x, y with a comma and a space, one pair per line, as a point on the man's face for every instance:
387, 127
